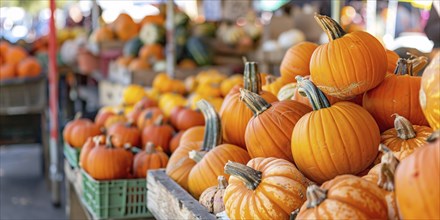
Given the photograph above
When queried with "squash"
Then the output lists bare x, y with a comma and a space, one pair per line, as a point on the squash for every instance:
273, 84
152, 33
148, 159
200, 51
159, 134
429, 95
175, 141
333, 139
124, 27
29, 67
7, 71
230, 82
15, 55
102, 116
87, 147
103, 34
392, 58
153, 19
342, 73
148, 116
212, 198
77, 131
170, 100
118, 117
132, 47
124, 133
139, 64
152, 53
188, 118
139, 107
133, 94
296, 61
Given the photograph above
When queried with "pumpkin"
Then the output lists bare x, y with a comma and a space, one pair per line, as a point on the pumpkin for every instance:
29, 67
7, 71
159, 134
212, 198
269, 131
103, 115
140, 106
139, 64
105, 162
296, 61
273, 84
429, 95
194, 134
175, 141
266, 188
213, 155
234, 113
15, 55
188, 118
344, 135
187, 64
152, 52
404, 138
207, 90
124, 27
133, 94
344, 197
417, 182
152, 19
227, 84
392, 58
149, 159
124, 133
383, 175
4, 46
148, 116
77, 131
389, 98
87, 147
342, 73
164, 84
103, 34
119, 117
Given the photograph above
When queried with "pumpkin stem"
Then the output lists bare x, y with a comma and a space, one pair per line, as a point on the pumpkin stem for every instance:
270, 79
150, 148
254, 102
245, 60
388, 168
252, 78
316, 97
418, 63
108, 141
404, 128
294, 214
197, 156
250, 176
222, 183
78, 115
213, 134
159, 120
330, 27
403, 67
315, 196
433, 137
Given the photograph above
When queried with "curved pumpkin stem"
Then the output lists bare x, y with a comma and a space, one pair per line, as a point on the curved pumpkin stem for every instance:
159, 120
418, 63
213, 134
388, 168
222, 183
316, 97
150, 148
404, 128
251, 77
330, 27
250, 176
254, 102
197, 156
404, 67
315, 196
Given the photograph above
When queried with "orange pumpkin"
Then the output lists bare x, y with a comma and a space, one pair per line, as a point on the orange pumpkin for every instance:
29, 67
152, 53
139, 107
102, 116
133, 94
396, 94
124, 133
159, 134
344, 135
124, 27
267, 188
188, 118
139, 64
392, 58
15, 55
273, 84
270, 119
153, 19
87, 147
4, 46
194, 134
119, 117
7, 71
340, 72
296, 61
418, 180
429, 95
77, 131
175, 141
149, 159
230, 82
103, 34
124, 60
148, 116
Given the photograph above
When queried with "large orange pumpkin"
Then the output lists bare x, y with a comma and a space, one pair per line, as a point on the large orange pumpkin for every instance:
345, 73
234, 113
7, 71
296, 61
396, 94
159, 134
265, 188
15, 55
429, 95
333, 140
124, 27
149, 159
417, 182
29, 67
269, 131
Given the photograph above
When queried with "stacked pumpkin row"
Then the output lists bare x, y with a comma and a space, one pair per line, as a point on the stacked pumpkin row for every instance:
290, 147
15, 62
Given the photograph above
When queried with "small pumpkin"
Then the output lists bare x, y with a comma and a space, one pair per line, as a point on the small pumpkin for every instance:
77, 131
124, 133
139, 107
149, 159
7, 71
29, 67
265, 188
344, 135
15, 54
103, 115
188, 118
273, 84
169, 101
296, 61
124, 27
159, 134
119, 117
148, 116
175, 141
212, 198
429, 95
152, 52
87, 147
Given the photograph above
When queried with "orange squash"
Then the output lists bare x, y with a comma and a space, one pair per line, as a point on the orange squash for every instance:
149, 116
139, 64
152, 53
152, 19
392, 58
15, 55
296, 61
103, 34
159, 134
87, 147
124, 133
29, 67
124, 27
7, 71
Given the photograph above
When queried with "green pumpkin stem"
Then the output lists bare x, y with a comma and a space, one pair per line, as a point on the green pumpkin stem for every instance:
404, 128
316, 97
150, 148
315, 196
197, 156
254, 102
330, 27
250, 176
388, 168
252, 78
213, 129
222, 182
78, 115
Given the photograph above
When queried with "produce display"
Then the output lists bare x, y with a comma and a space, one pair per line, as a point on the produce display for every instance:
17, 63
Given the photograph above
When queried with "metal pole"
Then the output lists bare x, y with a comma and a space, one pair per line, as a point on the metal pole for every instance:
171, 46
55, 176
336, 10
371, 17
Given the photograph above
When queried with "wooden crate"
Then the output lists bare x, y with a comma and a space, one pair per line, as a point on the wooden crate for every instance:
168, 200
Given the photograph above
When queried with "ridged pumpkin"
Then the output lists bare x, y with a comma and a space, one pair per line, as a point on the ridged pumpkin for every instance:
213, 155
234, 113
148, 159
29, 67
404, 138
333, 140
87, 147
133, 94
296, 61
125, 133
77, 131
392, 58
187, 118
429, 95
139, 107
396, 94
266, 188
194, 134
159, 134
417, 182
269, 131
148, 116
344, 197
345, 73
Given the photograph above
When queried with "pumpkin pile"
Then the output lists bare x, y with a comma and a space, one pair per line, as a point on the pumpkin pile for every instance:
16, 62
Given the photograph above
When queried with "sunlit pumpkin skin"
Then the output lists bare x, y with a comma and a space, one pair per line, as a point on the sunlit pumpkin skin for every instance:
429, 95
346, 73
159, 134
148, 159
175, 141
148, 116
296, 61
194, 134
152, 52
333, 139
212, 197
133, 94
274, 190
269, 131
124, 133
168, 101
174, 114
417, 182
7, 71
344, 197
105, 162
29, 67
152, 19
87, 147
392, 58
15, 54
234, 113
102, 116
188, 118
164, 84
396, 94
124, 27
404, 138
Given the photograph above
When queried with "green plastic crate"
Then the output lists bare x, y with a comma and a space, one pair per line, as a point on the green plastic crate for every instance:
72, 155
115, 198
